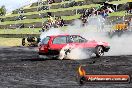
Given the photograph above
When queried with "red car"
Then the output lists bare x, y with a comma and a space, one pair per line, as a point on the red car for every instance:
51, 45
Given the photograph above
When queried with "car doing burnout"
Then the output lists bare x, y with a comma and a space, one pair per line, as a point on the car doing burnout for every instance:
51, 45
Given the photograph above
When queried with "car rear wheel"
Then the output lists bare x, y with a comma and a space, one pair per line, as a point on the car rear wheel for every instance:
99, 51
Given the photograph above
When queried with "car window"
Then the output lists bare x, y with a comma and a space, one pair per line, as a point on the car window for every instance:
45, 40
81, 39
60, 40
76, 39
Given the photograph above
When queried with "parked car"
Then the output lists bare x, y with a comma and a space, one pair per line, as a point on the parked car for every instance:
30, 41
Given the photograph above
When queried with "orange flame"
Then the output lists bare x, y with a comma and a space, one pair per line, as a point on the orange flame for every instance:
81, 71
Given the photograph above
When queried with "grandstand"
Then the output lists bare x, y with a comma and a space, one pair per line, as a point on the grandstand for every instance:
31, 18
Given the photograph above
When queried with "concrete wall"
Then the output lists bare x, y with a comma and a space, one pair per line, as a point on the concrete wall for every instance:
35, 9
60, 13
18, 35
37, 16
39, 24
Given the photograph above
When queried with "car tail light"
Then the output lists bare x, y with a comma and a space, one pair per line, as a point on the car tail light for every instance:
43, 48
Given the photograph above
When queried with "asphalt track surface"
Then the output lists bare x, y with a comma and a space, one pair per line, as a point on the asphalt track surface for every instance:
21, 68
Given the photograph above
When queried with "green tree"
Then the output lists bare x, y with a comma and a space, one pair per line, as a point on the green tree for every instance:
2, 10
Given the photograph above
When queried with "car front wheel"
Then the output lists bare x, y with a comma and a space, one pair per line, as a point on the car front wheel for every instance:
99, 51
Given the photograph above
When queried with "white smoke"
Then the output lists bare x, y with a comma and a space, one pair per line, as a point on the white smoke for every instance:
96, 29
120, 45
77, 54
52, 31
74, 53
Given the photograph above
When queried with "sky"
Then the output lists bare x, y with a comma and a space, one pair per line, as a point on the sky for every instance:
14, 4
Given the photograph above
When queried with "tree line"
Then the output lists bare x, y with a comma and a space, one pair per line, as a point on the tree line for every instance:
2, 10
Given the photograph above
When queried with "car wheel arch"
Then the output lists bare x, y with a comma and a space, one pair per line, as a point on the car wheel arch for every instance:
96, 52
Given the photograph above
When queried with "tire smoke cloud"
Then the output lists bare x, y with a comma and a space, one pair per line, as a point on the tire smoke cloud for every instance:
95, 29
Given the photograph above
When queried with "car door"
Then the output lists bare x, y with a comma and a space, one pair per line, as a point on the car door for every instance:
76, 40
59, 42
81, 42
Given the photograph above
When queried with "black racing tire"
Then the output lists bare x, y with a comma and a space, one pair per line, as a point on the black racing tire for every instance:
99, 51
38, 40
23, 42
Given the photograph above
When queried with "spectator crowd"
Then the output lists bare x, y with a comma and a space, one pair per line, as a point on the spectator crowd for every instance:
58, 21
51, 22
102, 11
